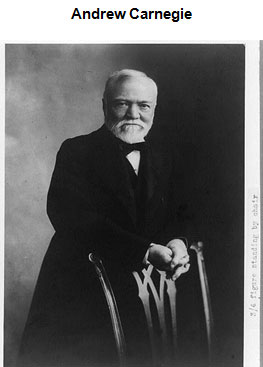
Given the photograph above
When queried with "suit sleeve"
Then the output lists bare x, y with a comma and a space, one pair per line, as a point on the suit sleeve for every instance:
181, 217
72, 210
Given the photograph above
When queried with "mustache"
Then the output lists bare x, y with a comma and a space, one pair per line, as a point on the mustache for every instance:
130, 122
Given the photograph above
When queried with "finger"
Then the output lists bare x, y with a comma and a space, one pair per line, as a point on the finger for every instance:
180, 270
170, 268
184, 260
168, 251
180, 259
167, 256
175, 261
185, 268
177, 273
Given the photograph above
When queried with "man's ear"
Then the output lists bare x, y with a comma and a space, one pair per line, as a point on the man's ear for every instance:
104, 107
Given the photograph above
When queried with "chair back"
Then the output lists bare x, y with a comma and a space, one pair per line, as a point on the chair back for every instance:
178, 313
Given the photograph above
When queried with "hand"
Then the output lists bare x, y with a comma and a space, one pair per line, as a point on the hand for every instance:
180, 258
160, 257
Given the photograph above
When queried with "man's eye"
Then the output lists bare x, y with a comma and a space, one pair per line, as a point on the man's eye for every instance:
144, 106
120, 104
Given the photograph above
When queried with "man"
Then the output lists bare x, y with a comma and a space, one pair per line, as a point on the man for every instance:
112, 193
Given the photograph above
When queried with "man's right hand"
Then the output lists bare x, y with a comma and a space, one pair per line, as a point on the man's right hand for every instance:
160, 257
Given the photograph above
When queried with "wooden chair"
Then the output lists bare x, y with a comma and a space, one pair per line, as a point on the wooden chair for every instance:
160, 298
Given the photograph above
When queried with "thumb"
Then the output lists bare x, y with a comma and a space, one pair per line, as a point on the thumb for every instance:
175, 260
169, 251
168, 254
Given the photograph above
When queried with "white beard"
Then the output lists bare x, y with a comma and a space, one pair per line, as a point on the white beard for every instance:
130, 133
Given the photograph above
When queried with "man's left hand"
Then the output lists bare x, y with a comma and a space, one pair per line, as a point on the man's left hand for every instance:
180, 260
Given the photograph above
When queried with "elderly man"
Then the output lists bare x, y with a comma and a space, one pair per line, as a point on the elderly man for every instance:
112, 193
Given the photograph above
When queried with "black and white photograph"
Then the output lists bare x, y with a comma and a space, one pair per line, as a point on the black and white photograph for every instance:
124, 205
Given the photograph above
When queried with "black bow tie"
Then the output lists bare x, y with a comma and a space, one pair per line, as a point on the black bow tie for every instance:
128, 148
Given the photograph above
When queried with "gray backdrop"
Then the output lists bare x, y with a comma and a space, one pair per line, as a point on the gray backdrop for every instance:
54, 92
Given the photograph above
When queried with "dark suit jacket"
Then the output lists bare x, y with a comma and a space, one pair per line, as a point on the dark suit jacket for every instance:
92, 207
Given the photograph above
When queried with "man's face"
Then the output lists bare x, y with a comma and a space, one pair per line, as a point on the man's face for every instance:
129, 109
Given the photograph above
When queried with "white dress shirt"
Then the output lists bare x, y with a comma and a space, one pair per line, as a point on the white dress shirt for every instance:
134, 158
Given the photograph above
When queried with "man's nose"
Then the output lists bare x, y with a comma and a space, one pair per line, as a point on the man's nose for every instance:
133, 111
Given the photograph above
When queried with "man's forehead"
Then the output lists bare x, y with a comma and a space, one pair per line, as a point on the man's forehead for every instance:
141, 86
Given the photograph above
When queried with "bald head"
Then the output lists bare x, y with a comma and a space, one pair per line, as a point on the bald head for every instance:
121, 75
129, 103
